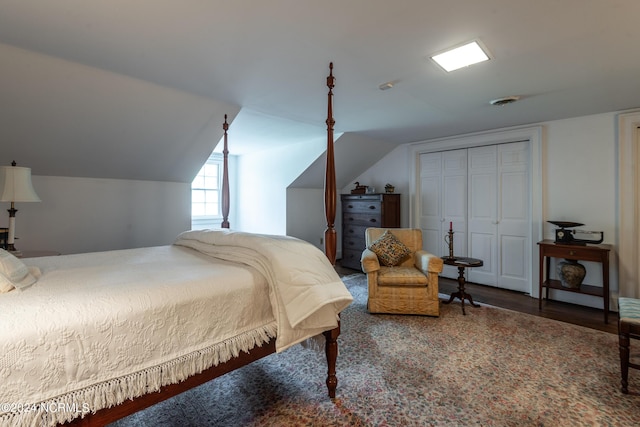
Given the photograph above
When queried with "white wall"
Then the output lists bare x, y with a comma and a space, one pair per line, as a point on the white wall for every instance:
305, 215
89, 214
580, 173
392, 169
263, 178
305, 197
579, 184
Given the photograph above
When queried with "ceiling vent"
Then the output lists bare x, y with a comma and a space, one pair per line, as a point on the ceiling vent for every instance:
504, 100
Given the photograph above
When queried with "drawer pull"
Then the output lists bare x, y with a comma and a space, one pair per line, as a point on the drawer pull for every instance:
350, 206
373, 220
372, 207
572, 253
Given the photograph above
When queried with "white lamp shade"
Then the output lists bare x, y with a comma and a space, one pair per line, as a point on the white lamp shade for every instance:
15, 185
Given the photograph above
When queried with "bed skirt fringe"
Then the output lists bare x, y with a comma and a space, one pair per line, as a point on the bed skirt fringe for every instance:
110, 393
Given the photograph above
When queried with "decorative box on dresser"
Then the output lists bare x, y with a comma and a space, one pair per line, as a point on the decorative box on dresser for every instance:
360, 211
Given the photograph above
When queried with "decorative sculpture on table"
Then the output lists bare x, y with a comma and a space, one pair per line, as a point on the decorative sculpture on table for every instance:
359, 189
449, 239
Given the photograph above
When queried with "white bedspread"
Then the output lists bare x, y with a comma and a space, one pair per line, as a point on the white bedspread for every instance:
97, 329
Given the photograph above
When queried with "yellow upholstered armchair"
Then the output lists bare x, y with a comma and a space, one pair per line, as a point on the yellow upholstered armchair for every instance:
402, 278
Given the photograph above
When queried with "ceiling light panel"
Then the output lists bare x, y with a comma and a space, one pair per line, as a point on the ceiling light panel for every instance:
462, 56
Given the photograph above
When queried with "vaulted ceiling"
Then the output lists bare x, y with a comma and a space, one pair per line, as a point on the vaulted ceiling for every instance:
138, 89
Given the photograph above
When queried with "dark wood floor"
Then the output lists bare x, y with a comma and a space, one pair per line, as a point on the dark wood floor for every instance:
564, 312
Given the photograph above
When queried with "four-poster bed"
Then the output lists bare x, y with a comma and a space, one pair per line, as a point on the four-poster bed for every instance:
166, 297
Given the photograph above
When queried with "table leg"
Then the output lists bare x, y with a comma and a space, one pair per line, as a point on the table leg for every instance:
540, 278
547, 277
461, 294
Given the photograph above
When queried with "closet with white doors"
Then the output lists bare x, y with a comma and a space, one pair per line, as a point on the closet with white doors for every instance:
483, 193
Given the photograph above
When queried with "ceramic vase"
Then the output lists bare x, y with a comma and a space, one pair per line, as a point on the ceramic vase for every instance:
571, 273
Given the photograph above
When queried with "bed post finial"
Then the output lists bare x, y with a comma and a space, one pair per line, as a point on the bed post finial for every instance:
330, 239
225, 178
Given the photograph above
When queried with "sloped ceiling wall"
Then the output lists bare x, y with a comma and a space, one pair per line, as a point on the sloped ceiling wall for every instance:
354, 154
66, 119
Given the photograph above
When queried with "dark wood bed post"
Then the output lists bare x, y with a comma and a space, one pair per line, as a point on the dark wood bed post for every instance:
225, 178
330, 238
331, 351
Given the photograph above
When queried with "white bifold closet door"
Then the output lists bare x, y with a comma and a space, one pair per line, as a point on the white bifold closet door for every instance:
484, 192
498, 221
443, 187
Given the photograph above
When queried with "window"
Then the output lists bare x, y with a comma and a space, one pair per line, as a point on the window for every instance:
206, 194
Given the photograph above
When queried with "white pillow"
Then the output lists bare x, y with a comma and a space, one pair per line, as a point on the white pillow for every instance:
14, 271
5, 284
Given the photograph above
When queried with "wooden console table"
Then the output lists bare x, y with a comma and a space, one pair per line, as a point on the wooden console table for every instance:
595, 253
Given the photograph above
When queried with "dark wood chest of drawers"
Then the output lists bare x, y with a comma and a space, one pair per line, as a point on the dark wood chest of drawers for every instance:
360, 211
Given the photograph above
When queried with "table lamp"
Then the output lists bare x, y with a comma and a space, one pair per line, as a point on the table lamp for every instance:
15, 186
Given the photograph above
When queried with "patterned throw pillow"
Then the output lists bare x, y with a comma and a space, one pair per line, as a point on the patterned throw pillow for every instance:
389, 249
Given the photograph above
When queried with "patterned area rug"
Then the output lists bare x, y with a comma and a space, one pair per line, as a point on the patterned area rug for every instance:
492, 367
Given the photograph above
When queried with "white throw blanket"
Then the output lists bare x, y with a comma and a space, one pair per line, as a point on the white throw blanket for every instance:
305, 289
